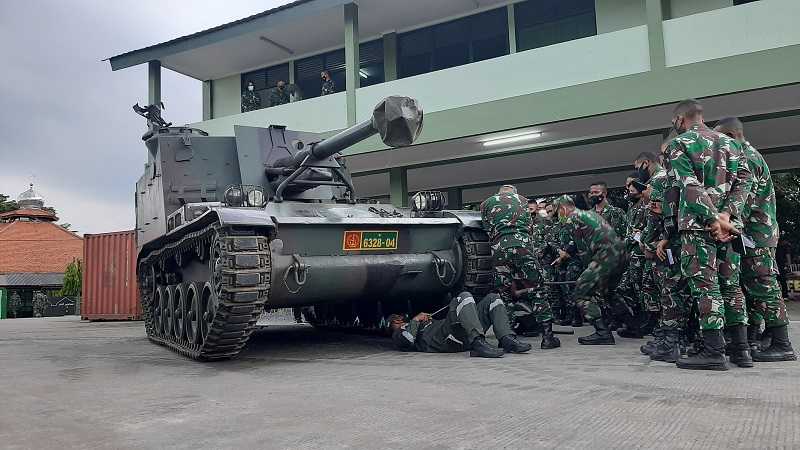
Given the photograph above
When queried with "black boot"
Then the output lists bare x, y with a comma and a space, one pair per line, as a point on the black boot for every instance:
780, 349
649, 327
601, 336
577, 317
669, 349
511, 344
649, 347
754, 338
548, 339
631, 329
567, 317
482, 349
740, 350
709, 356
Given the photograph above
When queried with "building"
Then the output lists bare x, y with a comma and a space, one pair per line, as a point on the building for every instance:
547, 94
34, 251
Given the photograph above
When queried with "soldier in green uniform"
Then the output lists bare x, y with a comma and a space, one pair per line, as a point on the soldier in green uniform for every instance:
544, 239
598, 200
279, 95
328, 86
759, 271
569, 272
463, 329
507, 221
251, 101
708, 173
604, 254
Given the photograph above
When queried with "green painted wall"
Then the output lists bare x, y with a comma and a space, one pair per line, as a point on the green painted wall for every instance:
680, 8
613, 15
227, 95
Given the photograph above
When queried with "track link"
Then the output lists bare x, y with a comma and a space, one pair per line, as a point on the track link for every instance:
238, 284
477, 249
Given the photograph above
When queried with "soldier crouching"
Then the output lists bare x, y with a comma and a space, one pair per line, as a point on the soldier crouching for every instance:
463, 329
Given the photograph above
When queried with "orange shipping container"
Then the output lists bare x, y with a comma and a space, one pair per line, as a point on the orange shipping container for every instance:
109, 287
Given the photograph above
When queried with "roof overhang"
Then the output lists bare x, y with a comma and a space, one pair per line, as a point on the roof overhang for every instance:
297, 29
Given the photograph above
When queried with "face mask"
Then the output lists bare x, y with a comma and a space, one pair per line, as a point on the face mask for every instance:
643, 173
595, 200
250, 88
562, 219
542, 213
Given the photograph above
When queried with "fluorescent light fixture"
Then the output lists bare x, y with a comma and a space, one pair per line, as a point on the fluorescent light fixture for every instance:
512, 139
362, 73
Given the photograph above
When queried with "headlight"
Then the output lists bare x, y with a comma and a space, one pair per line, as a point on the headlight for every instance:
234, 196
428, 201
419, 202
256, 198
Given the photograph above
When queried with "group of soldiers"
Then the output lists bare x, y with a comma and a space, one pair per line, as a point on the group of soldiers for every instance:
691, 263
281, 93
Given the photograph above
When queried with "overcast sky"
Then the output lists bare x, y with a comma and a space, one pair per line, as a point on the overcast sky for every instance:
66, 122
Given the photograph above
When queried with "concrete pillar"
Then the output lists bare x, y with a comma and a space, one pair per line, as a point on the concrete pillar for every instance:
454, 198
512, 30
154, 82
351, 59
390, 56
291, 72
208, 100
655, 34
398, 186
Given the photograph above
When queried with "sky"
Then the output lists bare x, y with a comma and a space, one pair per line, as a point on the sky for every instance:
66, 122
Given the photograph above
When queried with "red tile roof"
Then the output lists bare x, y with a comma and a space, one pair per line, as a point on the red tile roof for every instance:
33, 213
37, 247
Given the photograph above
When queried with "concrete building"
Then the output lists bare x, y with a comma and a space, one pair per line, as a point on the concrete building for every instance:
548, 94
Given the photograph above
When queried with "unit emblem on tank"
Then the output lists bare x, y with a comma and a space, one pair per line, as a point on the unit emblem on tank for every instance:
370, 240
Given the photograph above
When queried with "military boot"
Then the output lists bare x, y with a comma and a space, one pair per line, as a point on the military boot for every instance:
740, 350
548, 339
601, 336
780, 349
567, 317
650, 346
669, 349
482, 349
754, 338
651, 324
577, 317
709, 356
511, 344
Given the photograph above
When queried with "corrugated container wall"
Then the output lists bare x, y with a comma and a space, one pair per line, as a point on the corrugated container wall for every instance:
110, 291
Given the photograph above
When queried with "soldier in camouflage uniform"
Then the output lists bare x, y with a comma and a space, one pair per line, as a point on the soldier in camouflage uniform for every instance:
663, 249
569, 271
544, 239
708, 173
759, 271
604, 254
328, 86
598, 199
250, 99
279, 95
507, 221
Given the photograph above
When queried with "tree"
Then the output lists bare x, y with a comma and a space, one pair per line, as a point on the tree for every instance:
65, 225
6, 204
72, 279
787, 199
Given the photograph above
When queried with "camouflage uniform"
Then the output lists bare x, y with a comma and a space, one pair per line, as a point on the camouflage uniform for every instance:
616, 218
759, 270
250, 101
278, 96
328, 87
569, 270
544, 237
630, 285
507, 221
602, 251
710, 175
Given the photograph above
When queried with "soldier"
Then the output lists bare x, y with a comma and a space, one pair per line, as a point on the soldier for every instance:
710, 183
463, 329
251, 101
328, 86
507, 222
598, 199
604, 254
39, 303
279, 95
759, 270
544, 237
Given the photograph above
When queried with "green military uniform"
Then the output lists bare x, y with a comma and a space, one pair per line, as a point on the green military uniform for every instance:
544, 238
759, 270
630, 285
602, 251
278, 96
615, 217
328, 87
464, 323
250, 101
708, 170
506, 219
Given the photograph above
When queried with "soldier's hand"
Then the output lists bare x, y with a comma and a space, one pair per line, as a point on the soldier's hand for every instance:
562, 256
722, 230
661, 249
422, 317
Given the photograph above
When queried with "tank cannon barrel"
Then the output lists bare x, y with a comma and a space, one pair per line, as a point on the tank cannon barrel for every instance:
398, 120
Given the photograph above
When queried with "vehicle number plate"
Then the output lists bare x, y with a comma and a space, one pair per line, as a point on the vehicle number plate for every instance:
370, 240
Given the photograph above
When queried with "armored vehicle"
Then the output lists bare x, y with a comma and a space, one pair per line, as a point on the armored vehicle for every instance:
229, 226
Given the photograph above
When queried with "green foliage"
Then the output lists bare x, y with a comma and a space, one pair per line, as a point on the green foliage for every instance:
72, 279
787, 197
6, 204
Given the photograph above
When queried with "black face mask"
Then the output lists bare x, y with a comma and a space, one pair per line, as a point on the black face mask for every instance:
595, 200
643, 173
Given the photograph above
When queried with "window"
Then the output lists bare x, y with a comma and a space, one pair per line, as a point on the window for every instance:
453, 43
545, 22
742, 2
265, 79
307, 70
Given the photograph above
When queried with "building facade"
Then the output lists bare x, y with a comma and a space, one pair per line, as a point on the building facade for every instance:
548, 94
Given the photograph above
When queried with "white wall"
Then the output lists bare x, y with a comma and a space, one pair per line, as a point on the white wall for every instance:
570, 63
680, 8
613, 15
227, 96
747, 28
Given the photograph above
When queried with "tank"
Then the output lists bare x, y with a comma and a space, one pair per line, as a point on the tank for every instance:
230, 226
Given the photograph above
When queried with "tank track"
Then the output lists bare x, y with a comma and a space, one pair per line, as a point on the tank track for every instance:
477, 278
239, 268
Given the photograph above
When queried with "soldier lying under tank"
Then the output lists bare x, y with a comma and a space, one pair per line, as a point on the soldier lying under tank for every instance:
464, 328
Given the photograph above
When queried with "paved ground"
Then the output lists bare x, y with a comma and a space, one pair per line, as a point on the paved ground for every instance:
70, 384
